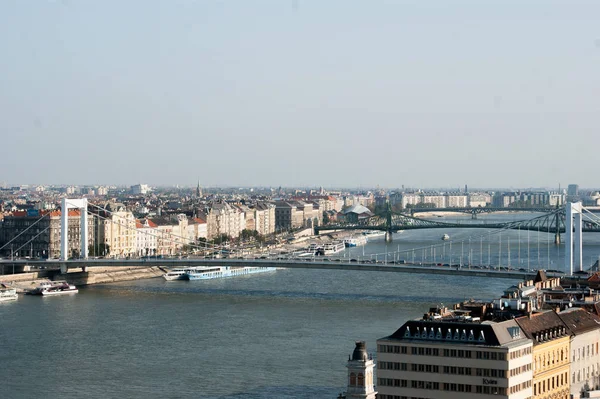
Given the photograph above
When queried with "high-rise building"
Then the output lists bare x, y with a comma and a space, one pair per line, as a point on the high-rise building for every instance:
573, 190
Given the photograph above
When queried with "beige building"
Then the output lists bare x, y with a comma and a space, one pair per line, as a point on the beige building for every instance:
288, 216
551, 339
264, 218
118, 231
223, 218
438, 358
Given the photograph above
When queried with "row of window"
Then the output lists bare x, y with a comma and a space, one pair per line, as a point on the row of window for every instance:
548, 359
379, 396
451, 387
519, 370
586, 373
519, 353
557, 381
428, 368
421, 351
589, 349
519, 387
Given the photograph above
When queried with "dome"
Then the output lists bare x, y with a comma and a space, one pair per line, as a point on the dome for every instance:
360, 351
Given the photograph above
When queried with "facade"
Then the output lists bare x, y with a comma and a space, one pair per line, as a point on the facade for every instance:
287, 216
440, 358
118, 231
585, 358
43, 237
551, 339
146, 238
264, 218
223, 218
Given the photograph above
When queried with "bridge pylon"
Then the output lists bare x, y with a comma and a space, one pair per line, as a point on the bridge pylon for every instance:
573, 245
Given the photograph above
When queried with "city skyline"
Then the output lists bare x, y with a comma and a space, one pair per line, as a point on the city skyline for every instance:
269, 93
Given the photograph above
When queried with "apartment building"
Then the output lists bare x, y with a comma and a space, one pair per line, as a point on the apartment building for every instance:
551, 343
584, 368
440, 357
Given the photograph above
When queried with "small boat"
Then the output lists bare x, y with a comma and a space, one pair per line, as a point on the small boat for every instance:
374, 233
49, 288
445, 237
8, 294
355, 241
60, 289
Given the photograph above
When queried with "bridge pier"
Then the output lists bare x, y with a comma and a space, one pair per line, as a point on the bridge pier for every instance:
557, 239
64, 268
388, 236
474, 215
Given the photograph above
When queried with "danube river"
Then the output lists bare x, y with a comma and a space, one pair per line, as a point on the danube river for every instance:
285, 334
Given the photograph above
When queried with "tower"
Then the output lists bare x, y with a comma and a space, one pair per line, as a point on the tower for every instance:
573, 244
360, 374
198, 190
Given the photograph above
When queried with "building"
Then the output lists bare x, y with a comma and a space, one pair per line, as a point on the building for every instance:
287, 216
140, 189
584, 368
444, 356
37, 234
361, 376
146, 237
223, 219
118, 231
264, 218
551, 339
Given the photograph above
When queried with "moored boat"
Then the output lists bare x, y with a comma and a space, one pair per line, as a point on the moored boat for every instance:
176, 274
355, 241
8, 294
445, 237
332, 248
60, 289
208, 273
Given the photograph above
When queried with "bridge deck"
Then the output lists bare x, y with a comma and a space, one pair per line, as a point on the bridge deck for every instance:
318, 264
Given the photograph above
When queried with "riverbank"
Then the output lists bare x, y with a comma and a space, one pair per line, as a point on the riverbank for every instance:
23, 282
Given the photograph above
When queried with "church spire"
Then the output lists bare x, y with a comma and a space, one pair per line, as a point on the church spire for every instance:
198, 190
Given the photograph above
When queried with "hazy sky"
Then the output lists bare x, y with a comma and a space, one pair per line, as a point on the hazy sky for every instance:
333, 93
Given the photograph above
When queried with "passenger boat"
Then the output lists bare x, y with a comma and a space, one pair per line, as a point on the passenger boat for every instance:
445, 237
355, 241
60, 289
8, 294
208, 273
176, 274
333, 248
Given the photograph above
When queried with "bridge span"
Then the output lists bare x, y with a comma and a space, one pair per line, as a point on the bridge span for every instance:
310, 263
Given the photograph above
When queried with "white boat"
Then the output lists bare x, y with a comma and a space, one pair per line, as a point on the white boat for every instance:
176, 274
333, 248
373, 233
314, 248
60, 289
8, 294
209, 273
44, 285
445, 237
355, 241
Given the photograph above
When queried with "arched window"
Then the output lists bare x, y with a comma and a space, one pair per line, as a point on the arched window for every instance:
361, 380
352, 379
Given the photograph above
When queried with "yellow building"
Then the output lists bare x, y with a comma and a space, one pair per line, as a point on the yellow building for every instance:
551, 361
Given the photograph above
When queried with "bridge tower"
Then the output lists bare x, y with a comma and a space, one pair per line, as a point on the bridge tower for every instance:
360, 374
573, 248
388, 223
69, 203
